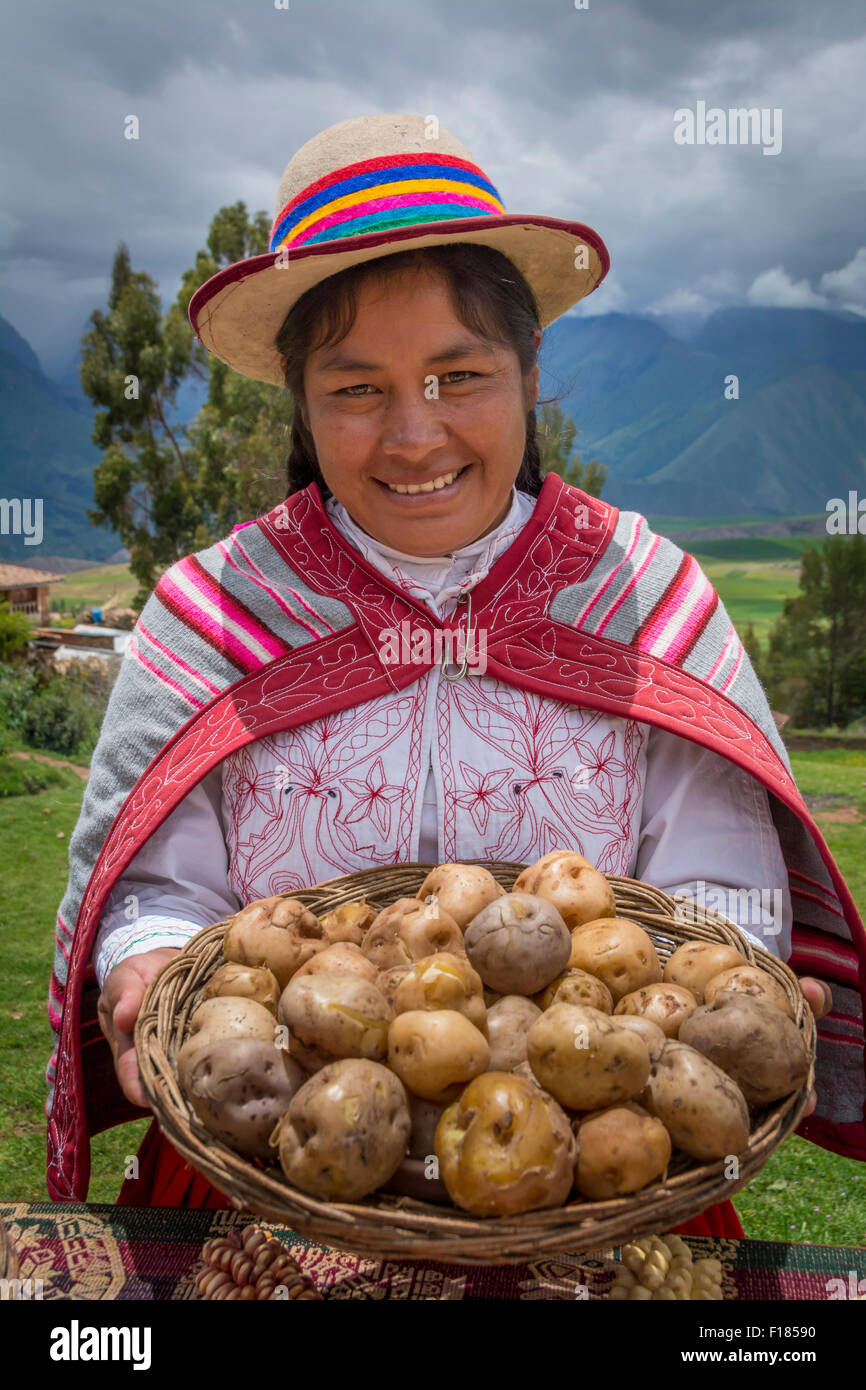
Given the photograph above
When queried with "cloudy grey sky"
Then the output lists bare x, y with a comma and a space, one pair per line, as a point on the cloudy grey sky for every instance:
569, 111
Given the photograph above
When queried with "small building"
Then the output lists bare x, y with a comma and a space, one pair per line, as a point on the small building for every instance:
28, 591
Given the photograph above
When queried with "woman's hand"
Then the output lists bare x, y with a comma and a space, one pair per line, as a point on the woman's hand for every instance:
820, 1001
118, 1008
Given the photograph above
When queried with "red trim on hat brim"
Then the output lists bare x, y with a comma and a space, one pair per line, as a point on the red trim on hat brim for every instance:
252, 265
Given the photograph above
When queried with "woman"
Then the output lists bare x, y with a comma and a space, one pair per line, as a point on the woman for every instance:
284, 719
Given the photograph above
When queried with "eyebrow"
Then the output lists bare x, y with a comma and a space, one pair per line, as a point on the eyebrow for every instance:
339, 362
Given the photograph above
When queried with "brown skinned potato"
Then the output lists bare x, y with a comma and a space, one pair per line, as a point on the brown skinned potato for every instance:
443, 981
388, 981
696, 962
754, 1042
619, 952
505, 1147
409, 930
518, 943
619, 1151
701, 1107
436, 1052
238, 1088
330, 1016
246, 982
665, 1005
230, 1016
345, 1131
508, 1022
575, 986
749, 980
462, 890
577, 889
343, 957
278, 933
584, 1059
650, 1032
425, 1116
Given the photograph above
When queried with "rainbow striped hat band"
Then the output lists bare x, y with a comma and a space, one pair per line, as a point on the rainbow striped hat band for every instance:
370, 187
376, 195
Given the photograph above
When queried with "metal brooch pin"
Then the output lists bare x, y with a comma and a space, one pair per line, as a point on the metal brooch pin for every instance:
464, 664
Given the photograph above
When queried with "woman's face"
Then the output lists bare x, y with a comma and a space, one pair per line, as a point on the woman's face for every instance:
409, 397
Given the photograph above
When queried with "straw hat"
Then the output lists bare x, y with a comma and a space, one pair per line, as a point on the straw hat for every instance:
369, 187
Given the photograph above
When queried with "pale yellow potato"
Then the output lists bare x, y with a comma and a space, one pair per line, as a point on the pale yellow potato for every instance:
701, 1107
349, 922
574, 986
278, 933
230, 1016
695, 963
461, 890
577, 889
245, 982
620, 1150
435, 1052
443, 981
505, 1147
238, 1088
749, 980
508, 1023
665, 1005
388, 981
650, 1032
584, 1060
619, 952
331, 1016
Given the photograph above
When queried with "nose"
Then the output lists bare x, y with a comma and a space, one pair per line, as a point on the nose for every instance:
412, 426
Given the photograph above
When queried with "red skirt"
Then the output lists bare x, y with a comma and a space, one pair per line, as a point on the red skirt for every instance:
167, 1180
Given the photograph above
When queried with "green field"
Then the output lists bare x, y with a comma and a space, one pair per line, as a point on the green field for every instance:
101, 587
804, 1193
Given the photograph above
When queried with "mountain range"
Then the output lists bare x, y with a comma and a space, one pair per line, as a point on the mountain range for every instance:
649, 403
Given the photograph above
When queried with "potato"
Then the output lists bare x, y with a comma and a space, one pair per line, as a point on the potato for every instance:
646, 1029
443, 981
409, 930
348, 923
504, 1147
584, 1060
619, 952
425, 1116
238, 1088
749, 980
344, 958
508, 1023
518, 943
577, 889
701, 1107
230, 1016
388, 981
461, 890
575, 986
345, 1131
278, 933
620, 1150
436, 1052
244, 982
334, 1016
696, 962
754, 1042
665, 1005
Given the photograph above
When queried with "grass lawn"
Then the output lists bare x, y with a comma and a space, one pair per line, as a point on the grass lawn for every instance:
804, 1193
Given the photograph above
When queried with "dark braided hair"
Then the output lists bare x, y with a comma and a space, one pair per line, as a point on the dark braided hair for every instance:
489, 296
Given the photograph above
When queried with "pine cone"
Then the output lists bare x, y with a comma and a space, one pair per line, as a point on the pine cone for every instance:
251, 1264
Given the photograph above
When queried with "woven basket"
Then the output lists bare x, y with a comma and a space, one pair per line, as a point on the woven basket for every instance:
390, 1226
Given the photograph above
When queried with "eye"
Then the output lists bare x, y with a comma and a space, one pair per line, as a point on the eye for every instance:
350, 390
460, 371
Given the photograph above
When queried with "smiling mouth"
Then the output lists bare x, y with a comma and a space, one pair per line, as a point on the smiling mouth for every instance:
438, 484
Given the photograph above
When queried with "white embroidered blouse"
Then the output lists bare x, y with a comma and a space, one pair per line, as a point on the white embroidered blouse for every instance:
449, 770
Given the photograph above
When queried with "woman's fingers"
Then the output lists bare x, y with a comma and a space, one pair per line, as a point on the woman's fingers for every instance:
126, 1066
817, 995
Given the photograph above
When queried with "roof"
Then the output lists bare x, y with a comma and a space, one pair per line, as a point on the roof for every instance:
20, 577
